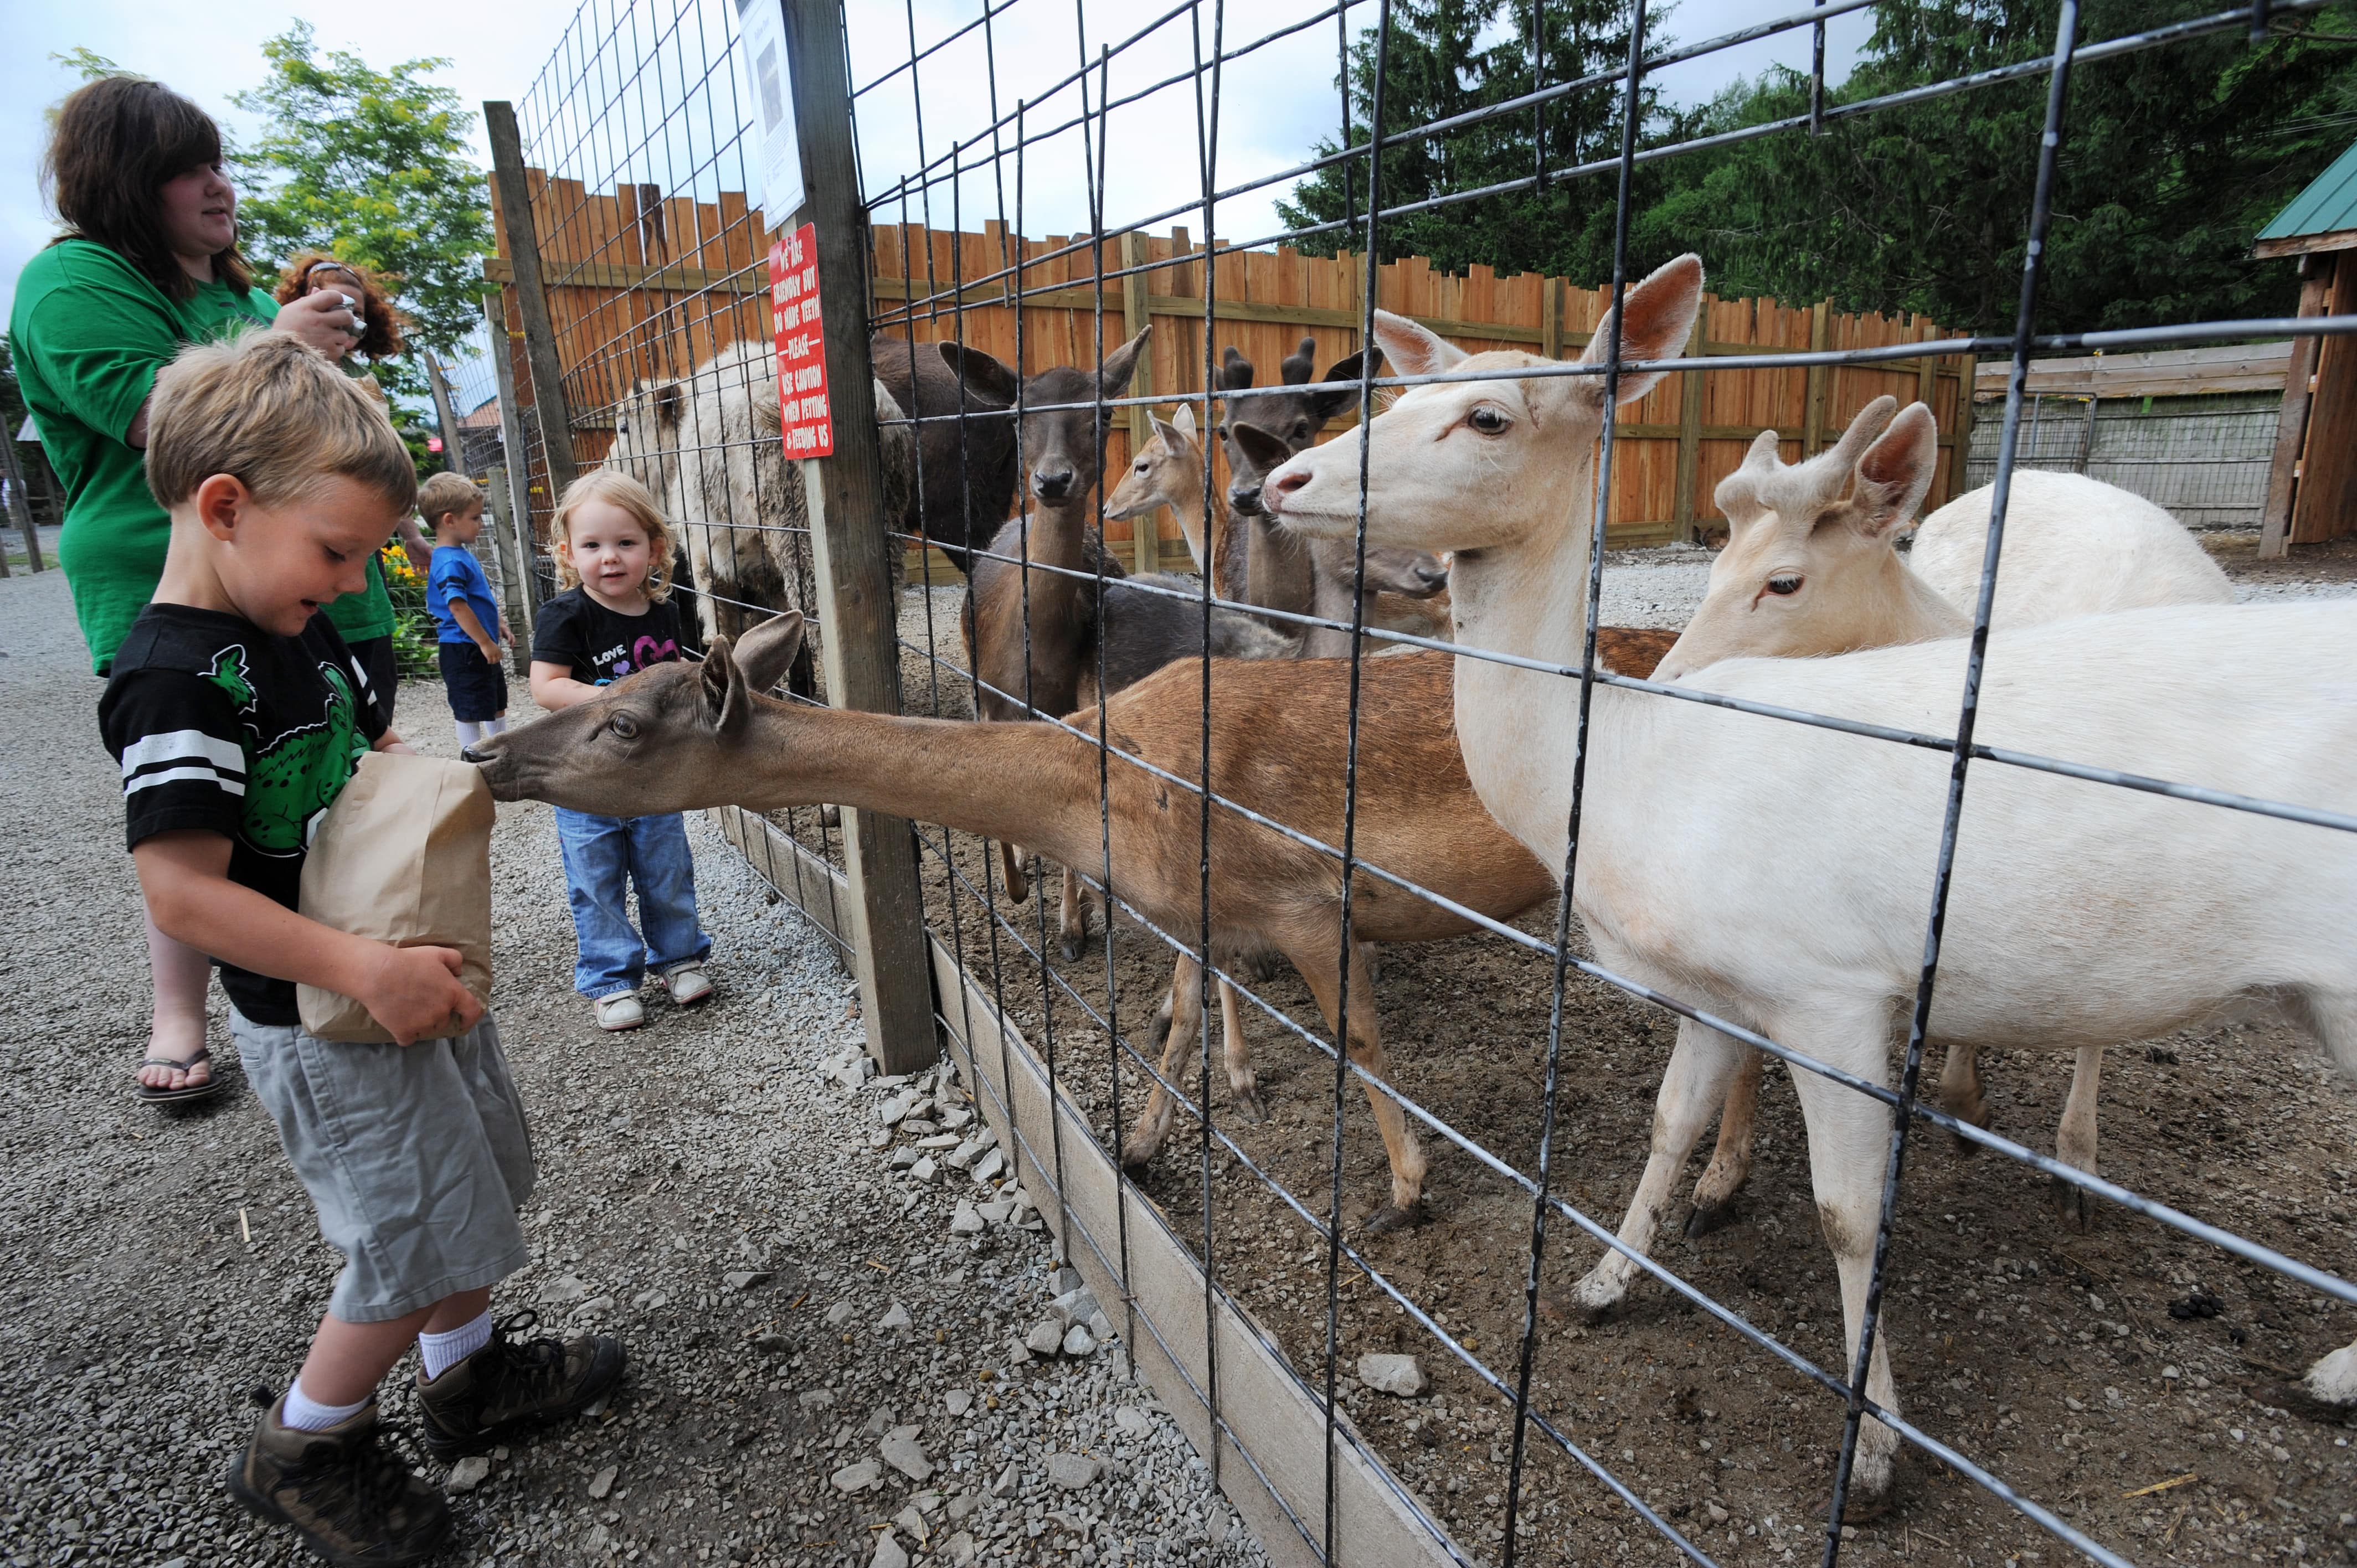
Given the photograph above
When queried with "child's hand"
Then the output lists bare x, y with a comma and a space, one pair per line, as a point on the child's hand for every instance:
415, 994
491, 650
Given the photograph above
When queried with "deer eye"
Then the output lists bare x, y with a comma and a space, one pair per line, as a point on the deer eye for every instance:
624, 727
1789, 583
1301, 430
1488, 419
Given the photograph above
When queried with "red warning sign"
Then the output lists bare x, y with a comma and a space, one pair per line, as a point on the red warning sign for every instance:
802, 413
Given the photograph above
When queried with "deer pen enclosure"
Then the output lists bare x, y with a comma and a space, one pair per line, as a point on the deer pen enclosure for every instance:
1315, 954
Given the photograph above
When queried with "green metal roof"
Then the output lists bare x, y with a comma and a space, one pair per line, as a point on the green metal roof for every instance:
2329, 203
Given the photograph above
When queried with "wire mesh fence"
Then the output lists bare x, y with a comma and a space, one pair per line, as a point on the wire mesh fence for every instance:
1285, 799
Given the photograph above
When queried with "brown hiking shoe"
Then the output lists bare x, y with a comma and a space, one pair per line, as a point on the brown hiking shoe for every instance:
350, 1498
513, 1382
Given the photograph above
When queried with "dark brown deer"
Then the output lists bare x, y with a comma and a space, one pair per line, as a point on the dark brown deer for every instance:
1271, 570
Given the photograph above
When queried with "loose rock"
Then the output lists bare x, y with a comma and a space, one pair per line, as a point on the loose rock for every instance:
888, 1554
898, 1317
901, 1451
1045, 1338
1397, 1375
1078, 1341
469, 1473
603, 1481
857, 1478
1072, 1471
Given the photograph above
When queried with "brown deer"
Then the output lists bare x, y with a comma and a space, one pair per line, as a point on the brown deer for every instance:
1266, 567
682, 737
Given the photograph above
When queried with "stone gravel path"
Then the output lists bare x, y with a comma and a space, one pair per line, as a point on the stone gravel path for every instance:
823, 1371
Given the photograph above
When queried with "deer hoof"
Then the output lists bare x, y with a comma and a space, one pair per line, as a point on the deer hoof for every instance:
2074, 1206
1139, 1152
1073, 944
1709, 1216
1247, 1105
1394, 1216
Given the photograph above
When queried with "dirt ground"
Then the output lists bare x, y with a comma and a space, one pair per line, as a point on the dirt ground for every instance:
2130, 1379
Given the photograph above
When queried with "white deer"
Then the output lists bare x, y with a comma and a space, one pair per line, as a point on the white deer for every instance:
1778, 875
1810, 569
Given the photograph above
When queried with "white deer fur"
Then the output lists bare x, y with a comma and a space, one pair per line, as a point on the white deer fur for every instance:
2073, 546
1809, 569
2079, 913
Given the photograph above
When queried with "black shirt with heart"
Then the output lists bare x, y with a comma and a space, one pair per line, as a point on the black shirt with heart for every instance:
600, 645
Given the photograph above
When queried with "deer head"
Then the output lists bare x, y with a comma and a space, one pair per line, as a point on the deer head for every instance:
1808, 568
672, 737
1063, 448
1167, 471
1483, 462
1288, 422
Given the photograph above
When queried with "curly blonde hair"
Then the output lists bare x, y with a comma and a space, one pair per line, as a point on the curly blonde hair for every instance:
616, 490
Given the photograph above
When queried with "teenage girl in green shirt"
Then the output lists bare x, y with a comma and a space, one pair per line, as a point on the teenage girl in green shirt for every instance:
149, 263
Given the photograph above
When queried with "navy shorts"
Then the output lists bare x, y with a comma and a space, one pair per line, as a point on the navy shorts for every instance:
478, 688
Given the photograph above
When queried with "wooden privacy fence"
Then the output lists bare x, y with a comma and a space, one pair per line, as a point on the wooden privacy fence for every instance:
642, 287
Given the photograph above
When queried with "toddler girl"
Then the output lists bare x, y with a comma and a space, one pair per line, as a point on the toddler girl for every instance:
615, 617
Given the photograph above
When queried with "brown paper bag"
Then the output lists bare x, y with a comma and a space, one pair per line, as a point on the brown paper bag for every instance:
403, 856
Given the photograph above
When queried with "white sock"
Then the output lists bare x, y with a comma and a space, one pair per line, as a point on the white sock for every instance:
442, 1351
305, 1414
495, 726
469, 732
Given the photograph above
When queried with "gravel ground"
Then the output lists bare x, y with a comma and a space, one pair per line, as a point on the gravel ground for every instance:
800, 1317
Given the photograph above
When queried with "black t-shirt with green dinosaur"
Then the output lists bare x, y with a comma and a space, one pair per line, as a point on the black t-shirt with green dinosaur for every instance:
223, 727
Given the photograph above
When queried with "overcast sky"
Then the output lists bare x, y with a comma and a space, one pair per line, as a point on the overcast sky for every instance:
1273, 106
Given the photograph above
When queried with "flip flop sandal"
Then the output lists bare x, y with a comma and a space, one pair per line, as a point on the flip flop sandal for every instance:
205, 1090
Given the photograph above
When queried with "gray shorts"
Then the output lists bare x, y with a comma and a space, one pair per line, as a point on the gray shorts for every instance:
416, 1157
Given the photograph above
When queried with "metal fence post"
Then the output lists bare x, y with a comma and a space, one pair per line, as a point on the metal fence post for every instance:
858, 638
548, 400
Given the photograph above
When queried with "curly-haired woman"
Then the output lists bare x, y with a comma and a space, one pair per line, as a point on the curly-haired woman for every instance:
365, 619
149, 263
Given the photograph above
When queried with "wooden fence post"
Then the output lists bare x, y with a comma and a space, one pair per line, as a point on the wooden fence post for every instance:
1550, 317
2291, 424
1686, 508
518, 516
1967, 412
20, 503
1145, 531
859, 640
548, 399
1820, 377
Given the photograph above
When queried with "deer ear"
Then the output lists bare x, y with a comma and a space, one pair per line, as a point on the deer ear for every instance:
1896, 471
1175, 440
1296, 368
1659, 313
981, 372
668, 400
1416, 351
722, 686
1762, 454
1121, 364
1262, 452
1183, 421
769, 650
1341, 386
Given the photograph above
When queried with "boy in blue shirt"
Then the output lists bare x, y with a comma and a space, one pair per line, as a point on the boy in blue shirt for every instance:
459, 597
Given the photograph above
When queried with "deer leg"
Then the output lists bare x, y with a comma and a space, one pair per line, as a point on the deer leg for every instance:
1011, 865
1365, 1046
1731, 1161
1960, 1091
2074, 1140
1702, 1069
1183, 1010
1243, 1083
1073, 916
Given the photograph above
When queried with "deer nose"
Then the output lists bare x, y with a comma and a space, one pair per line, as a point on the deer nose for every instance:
1245, 499
1053, 486
1281, 484
468, 753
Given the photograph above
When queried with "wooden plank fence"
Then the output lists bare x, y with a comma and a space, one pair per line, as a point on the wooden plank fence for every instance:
642, 286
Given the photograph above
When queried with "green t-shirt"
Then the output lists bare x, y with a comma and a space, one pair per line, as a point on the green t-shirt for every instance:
89, 332
367, 614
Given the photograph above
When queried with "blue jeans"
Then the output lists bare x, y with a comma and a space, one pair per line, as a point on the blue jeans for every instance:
600, 854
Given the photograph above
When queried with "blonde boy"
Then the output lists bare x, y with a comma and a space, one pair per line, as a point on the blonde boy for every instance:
238, 715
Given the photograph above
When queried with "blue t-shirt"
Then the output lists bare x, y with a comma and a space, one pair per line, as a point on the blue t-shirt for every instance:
456, 574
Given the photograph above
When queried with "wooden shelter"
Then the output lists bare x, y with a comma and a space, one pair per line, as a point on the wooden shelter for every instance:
2312, 491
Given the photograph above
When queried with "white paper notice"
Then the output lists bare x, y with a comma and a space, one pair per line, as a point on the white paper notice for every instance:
761, 39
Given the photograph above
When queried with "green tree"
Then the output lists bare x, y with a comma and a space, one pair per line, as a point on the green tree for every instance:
1439, 66
375, 167
2173, 160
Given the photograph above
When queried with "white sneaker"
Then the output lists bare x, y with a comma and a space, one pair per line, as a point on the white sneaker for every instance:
688, 985
622, 1010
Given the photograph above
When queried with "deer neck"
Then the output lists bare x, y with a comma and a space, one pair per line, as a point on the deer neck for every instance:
1187, 505
1519, 727
1025, 783
1030, 628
